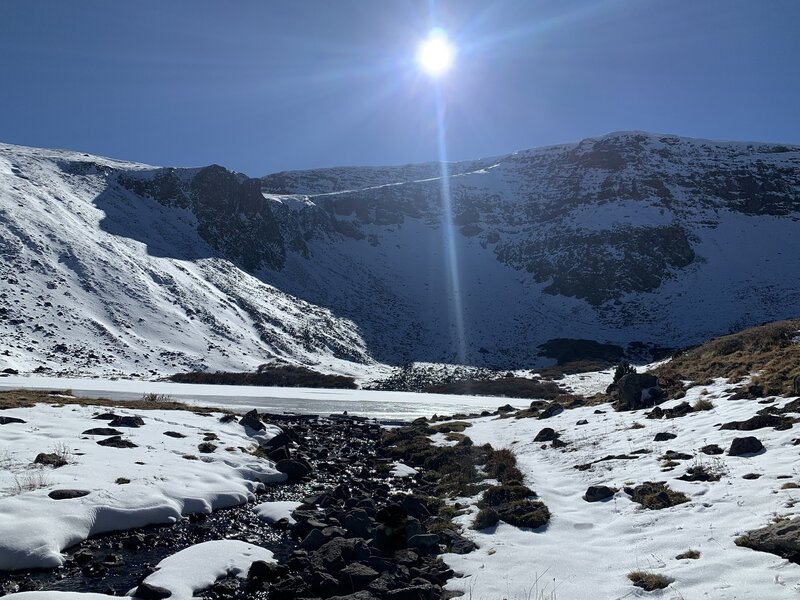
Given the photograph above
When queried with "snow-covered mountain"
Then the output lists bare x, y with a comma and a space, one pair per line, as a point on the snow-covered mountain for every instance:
627, 238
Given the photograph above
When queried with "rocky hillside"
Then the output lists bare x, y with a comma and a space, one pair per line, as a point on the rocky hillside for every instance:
635, 239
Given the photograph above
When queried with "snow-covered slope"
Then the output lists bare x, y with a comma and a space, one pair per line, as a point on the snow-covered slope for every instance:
632, 237
95, 279
588, 548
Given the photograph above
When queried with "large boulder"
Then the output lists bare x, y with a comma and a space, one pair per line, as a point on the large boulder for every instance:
638, 390
598, 493
781, 538
252, 420
295, 469
745, 446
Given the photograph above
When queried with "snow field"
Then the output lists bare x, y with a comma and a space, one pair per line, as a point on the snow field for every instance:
588, 549
159, 481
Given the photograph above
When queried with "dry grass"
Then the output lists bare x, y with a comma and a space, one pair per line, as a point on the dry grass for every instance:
486, 517
768, 350
28, 398
502, 466
691, 554
649, 581
153, 397
30, 481
702, 404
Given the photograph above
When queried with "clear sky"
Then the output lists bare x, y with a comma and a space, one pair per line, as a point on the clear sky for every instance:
261, 86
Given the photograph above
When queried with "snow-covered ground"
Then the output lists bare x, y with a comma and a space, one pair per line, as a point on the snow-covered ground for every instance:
241, 398
165, 476
185, 572
588, 549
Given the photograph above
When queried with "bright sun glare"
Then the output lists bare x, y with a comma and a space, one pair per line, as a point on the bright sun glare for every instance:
435, 54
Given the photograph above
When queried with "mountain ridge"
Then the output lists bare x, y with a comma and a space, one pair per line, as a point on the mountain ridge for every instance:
627, 238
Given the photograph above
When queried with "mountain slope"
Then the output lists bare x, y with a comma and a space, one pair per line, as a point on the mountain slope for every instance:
633, 238
96, 279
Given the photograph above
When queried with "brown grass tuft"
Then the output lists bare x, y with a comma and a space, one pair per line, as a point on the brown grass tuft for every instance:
649, 581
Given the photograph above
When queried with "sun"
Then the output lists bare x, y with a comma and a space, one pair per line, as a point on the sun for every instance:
435, 54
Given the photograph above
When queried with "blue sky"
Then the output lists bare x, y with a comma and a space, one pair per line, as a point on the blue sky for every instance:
262, 86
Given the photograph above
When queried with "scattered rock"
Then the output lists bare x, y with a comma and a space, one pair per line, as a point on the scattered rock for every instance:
751, 476
638, 390
295, 469
145, 591
681, 410
126, 422
424, 541
548, 434
252, 420
174, 434
711, 450
664, 436
206, 447
67, 494
108, 416
596, 493
553, 409
117, 442
746, 446
357, 576
50, 460
7, 420
102, 431
779, 422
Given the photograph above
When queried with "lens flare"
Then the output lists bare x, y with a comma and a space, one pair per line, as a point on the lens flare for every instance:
435, 55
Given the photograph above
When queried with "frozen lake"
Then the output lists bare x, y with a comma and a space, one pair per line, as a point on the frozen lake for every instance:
366, 403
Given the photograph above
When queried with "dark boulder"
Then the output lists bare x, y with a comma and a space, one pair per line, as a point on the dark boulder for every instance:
7, 420
116, 442
108, 416
126, 422
67, 494
548, 434
638, 390
597, 493
357, 576
745, 446
357, 523
102, 431
174, 434
295, 469
424, 541
145, 591
251, 420
553, 409
663, 436
50, 460
781, 538
778, 422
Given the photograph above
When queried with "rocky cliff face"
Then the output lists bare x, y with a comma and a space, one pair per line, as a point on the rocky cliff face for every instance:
629, 238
